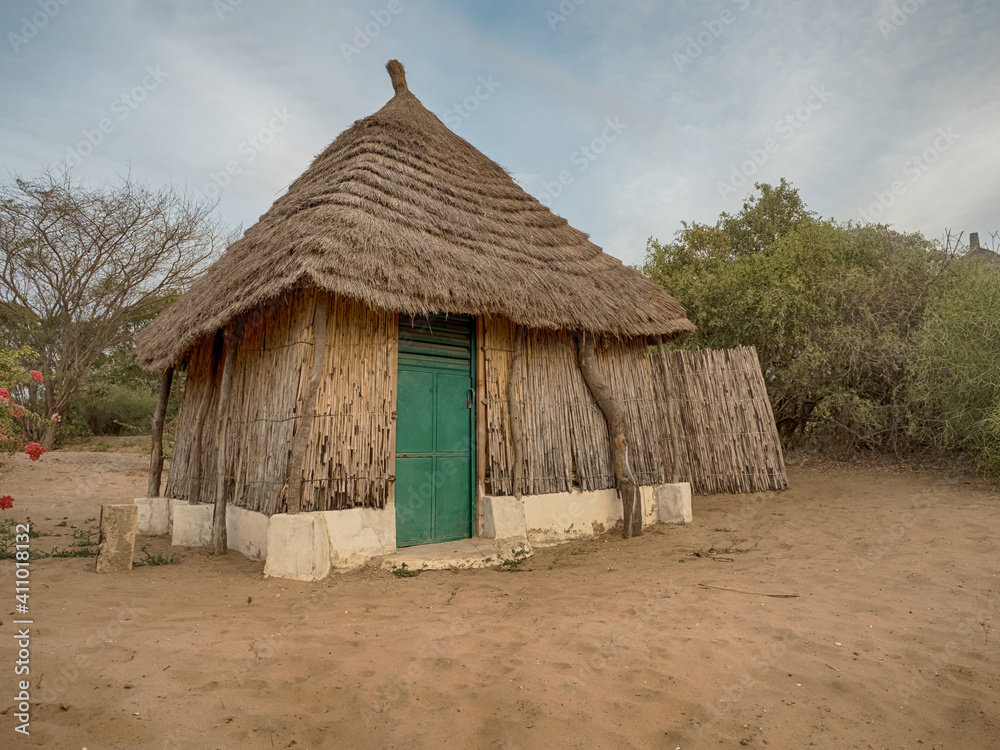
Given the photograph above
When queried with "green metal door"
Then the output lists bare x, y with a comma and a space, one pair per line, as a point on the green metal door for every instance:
434, 430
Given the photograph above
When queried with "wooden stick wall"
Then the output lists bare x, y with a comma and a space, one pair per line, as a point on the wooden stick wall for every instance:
348, 458
566, 437
729, 442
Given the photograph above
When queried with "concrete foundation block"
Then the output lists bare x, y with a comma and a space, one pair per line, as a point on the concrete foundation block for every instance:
298, 547
650, 506
511, 548
117, 541
503, 518
674, 502
566, 516
154, 515
246, 532
358, 534
192, 524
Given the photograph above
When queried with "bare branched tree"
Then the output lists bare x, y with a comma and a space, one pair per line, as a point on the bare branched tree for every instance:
82, 266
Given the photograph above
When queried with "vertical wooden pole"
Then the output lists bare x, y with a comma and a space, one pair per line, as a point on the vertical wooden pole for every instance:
673, 417
300, 441
156, 452
624, 478
516, 422
480, 421
219, 532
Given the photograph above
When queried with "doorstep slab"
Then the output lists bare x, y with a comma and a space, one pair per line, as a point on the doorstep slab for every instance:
464, 553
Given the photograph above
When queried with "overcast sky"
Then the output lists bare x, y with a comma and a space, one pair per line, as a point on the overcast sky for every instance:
624, 117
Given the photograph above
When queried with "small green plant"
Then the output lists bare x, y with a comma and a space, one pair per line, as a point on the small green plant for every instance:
517, 558
83, 545
7, 539
83, 538
71, 552
404, 571
148, 558
8, 533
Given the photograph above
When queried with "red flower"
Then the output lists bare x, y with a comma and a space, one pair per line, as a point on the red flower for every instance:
4, 394
17, 410
34, 450
6, 502
36, 375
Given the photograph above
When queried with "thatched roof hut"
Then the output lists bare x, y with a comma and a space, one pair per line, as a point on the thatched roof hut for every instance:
404, 215
403, 288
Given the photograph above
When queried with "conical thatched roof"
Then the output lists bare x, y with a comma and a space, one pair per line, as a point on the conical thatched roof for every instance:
403, 214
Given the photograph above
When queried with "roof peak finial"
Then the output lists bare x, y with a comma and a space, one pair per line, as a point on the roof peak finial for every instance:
397, 75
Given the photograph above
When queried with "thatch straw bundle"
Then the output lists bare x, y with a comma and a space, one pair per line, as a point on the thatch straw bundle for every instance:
404, 215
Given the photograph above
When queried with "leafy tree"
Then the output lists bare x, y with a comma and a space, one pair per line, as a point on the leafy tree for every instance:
830, 307
82, 267
956, 367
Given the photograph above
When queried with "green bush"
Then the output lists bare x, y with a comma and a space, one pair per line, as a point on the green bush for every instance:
831, 308
118, 398
114, 410
956, 364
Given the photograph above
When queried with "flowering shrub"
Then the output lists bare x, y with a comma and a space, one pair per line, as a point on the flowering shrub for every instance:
35, 450
12, 375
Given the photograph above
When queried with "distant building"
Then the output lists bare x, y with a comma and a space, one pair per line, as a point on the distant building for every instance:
983, 254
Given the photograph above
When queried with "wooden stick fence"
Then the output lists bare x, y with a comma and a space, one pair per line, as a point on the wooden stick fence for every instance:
729, 442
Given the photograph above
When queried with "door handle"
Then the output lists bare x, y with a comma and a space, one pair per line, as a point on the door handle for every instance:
470, 398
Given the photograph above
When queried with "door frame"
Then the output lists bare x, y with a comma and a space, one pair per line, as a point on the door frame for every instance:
477, 448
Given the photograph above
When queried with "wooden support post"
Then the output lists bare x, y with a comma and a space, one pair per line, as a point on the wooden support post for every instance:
516, 422
219, 531
480, 421
673, 416
624, 478
303, 427
156, 452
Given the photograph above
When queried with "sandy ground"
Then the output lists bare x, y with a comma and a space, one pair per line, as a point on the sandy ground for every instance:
856, 610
